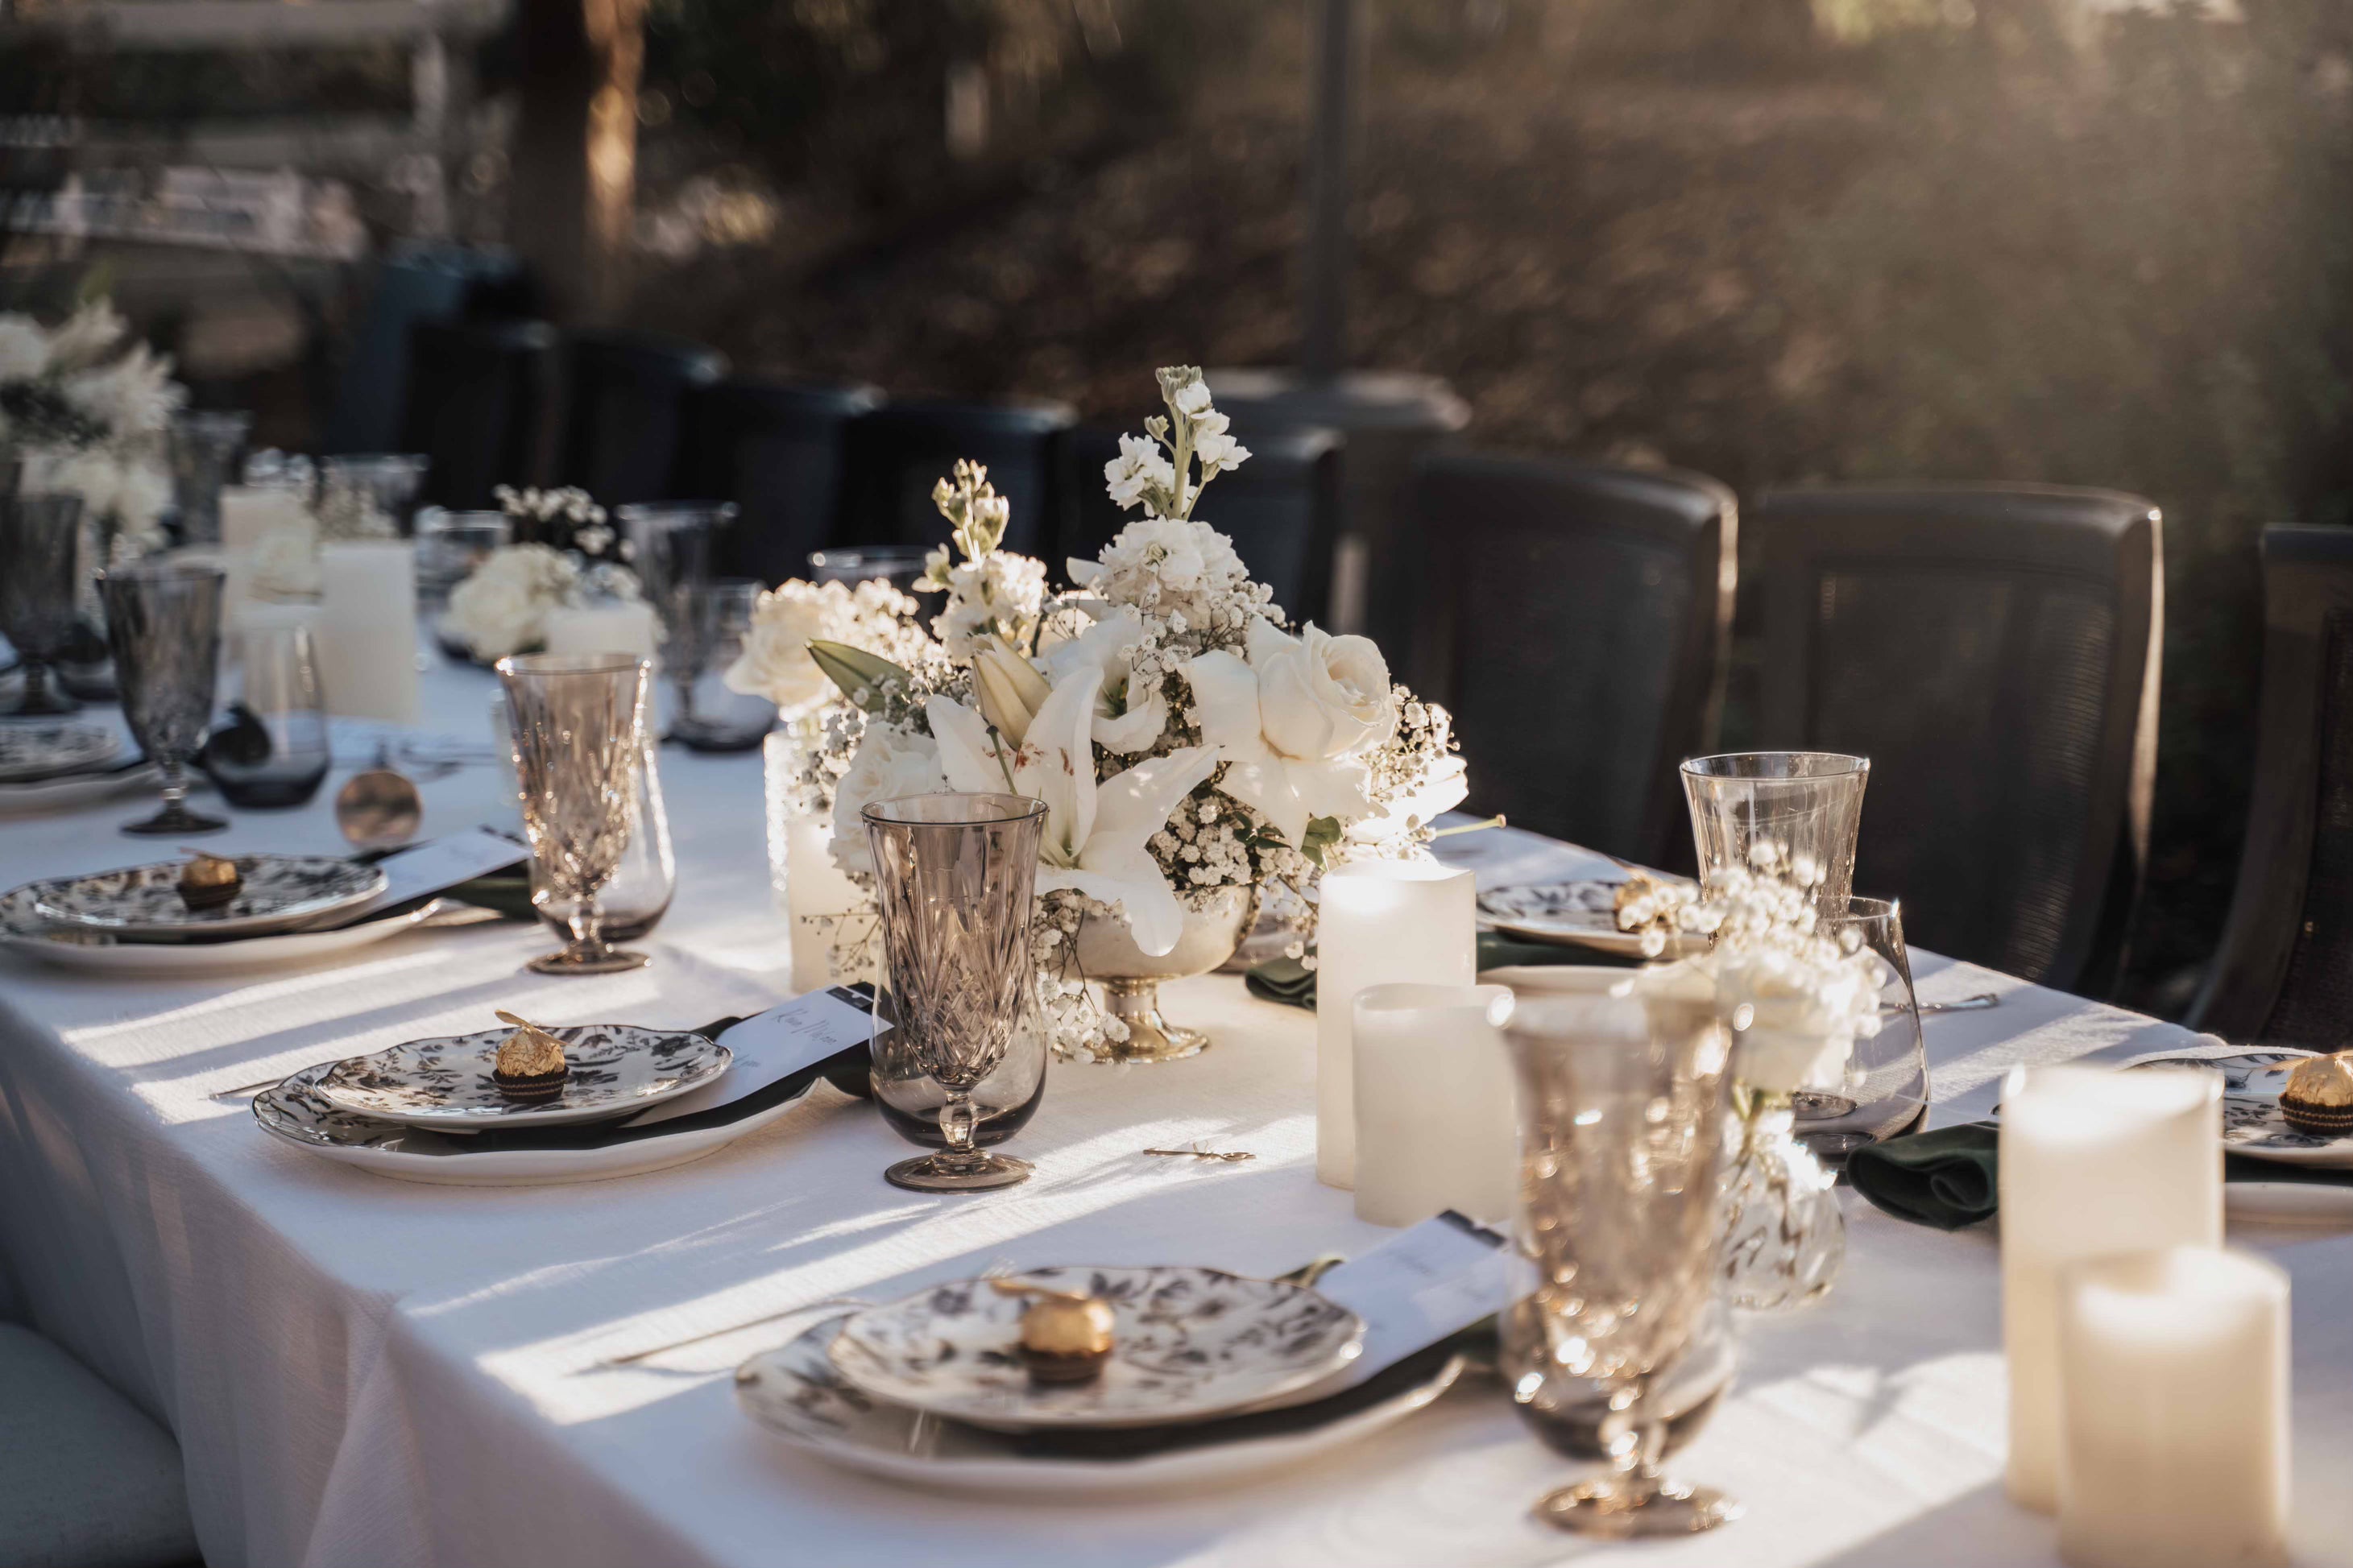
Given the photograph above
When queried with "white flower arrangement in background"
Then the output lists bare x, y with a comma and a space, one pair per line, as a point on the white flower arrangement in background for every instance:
1185, 738
567, 556
776, 662
87, 417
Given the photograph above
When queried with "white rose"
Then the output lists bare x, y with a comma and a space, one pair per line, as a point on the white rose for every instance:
776, 662
495, 613
887, 765
1321, 696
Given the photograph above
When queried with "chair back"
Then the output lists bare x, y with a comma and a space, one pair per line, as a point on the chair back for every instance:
776, 450
2285, 972
1281, 510
1993, 649
624, 399
476, 404
897, 452
1576, 625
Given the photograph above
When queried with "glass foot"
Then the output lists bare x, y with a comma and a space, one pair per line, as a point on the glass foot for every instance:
1623, 1507
1150, 1036
588, 960
698, 736
946, 1173
175, 818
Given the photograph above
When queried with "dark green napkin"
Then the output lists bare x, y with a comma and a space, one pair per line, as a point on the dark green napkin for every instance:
1947, 1178
1291, 982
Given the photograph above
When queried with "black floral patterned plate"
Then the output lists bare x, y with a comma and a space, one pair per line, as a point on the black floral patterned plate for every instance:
445, 1083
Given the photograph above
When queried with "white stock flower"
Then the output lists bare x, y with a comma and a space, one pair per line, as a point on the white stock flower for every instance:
1193, 399
889, 764
1220, 453
133, 395
130, 490
86, 337
1137, 471
999, 595
1293, 721
1097, 835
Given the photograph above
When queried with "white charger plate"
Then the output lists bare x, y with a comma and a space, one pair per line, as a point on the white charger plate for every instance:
279, 891
76, 790
1572, 914
36, 751
1190, 1344
798, 1394
293, 1113
2251, 1122
445, 1082
23, 931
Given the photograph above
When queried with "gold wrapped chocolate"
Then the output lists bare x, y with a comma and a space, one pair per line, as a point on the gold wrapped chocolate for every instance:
1065, 1338
210, 881
531, 1063
2318, 1096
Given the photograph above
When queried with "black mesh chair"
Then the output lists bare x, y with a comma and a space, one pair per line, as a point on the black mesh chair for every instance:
625, 398
899, 451
1281, 510
1993, 650
776, 450
476, 404
2285, 972
1576, 621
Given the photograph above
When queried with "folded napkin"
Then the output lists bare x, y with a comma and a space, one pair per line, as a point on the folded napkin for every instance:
1291, 982
1947, 1178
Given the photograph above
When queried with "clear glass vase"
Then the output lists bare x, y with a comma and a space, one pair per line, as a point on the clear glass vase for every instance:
1784, 1233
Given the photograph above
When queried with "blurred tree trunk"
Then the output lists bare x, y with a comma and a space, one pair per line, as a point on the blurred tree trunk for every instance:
576, 149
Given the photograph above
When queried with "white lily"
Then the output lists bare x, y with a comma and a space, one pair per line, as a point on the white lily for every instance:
1010, 688
1270, 770
1096, 834
1101, 647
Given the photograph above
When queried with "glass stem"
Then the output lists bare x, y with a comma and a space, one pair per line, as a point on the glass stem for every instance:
957, 1119
175, 779
587, 920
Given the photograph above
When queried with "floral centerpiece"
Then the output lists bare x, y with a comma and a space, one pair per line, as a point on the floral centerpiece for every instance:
565, 555
1796, 999
1191, 746
86, 415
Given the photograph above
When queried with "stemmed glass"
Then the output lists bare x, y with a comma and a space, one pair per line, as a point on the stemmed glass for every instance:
40, 539
273, 750
710, 716
954, 875
897, 564
578, 727
163, 624
204, 448
1804, 805
1622, 1106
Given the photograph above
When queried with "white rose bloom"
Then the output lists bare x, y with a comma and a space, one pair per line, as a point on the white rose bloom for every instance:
887, 764
24, 347
1321, 696
503, 607
776, 662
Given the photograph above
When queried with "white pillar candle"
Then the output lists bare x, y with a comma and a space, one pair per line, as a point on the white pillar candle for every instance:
2092, 1162
2173, 1411
249, 511
367, 628
624, 628
1436, 1126
1382, 922
809, 889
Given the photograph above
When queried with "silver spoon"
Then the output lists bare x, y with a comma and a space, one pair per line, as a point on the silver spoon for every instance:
379, 808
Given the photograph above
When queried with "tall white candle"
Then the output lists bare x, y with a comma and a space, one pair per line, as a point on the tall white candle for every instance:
367, 628
2173, 1411
1436, 1128
249, 511
810, 890
624, 628
2092, 1162
1383, 923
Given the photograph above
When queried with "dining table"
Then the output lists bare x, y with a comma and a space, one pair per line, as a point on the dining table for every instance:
369, 1371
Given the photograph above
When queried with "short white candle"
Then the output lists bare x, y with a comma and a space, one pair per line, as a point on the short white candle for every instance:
249, 511
2092, 1162
627, 626
1436, 1126
2173, 1411
367, 628
810, 890
1382, 922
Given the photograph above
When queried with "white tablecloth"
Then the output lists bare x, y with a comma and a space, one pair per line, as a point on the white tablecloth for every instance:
366, 1372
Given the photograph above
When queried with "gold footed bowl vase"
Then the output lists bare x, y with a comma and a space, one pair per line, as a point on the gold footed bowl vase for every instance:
1131, 978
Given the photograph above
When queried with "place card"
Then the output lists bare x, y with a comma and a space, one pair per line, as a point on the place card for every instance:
776, 1044
1427, 1284
415, 875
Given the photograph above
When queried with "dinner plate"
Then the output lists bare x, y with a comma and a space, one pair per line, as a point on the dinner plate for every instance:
445, 1082
2251, 1122
30, 752
294, 1112
1189, 1343
23, 931
797, 1393
143, 904
67, 791
1572, 914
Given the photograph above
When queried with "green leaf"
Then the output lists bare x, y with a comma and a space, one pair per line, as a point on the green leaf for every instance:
1321, 833
860, 674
